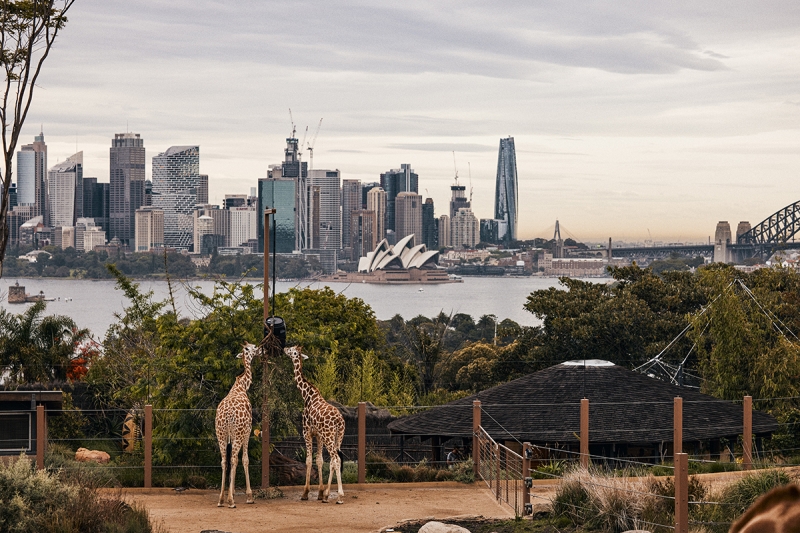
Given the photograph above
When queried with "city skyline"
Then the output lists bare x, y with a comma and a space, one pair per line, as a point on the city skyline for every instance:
629, 121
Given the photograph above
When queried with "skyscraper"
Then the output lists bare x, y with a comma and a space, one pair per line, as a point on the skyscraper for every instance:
444, 231
126, 186
149, 225
279, 194
394, 182
351, 201
464, 229
376, 202
294, 169
177, 187
506, 201
458, 198
328, 229
31, 176
408, 215
362, 226
65, 192
429, 235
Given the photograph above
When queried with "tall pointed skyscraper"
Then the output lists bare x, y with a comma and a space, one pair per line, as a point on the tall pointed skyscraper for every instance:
31, 176
506, 202
126, 187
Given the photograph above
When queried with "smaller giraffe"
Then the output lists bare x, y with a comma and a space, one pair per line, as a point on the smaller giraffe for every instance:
233, 422
320, 420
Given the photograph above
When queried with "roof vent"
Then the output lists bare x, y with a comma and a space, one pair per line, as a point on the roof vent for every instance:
588, 362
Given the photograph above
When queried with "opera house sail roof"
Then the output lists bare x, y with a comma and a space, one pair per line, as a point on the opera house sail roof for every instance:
403, 255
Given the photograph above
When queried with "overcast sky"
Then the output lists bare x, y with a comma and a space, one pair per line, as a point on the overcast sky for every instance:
630, 118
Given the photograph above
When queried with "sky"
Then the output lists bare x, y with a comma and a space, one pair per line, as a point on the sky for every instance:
632, 120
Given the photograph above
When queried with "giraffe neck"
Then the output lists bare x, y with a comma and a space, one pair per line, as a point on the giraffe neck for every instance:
244, 380
306, 389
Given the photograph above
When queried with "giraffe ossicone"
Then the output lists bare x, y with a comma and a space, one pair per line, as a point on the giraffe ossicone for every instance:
233, 423
320, 420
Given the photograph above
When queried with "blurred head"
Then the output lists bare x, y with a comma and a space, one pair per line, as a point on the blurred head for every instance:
249, 351
295, 353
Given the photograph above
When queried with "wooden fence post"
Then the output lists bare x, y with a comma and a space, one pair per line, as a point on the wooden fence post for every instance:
148, 446
526, 472
585, 433
677, 438
362, 442
476, 427
747, 436
41, 436
681, 493
497, 470
265, 445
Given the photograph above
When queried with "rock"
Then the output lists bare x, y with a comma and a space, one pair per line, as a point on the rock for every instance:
636, 531
83, 455
439, 527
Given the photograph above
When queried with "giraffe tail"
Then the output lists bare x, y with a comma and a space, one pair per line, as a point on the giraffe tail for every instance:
228, 450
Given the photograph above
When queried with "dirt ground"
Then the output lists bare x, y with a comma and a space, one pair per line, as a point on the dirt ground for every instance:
367, 508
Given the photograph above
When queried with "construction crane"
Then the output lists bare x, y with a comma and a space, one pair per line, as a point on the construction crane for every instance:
311, 146
291, 118
469, 171
455, 168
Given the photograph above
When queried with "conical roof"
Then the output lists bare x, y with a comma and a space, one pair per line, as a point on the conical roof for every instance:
624, 407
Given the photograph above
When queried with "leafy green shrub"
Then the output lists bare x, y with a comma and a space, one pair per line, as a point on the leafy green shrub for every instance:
464, 471
444, 475
424, 472
551, 470
349, 472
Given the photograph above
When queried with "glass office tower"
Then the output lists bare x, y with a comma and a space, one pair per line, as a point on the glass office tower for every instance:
506, 202
279, 194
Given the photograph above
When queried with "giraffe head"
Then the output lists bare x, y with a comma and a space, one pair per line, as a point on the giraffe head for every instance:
249, 351
295, 353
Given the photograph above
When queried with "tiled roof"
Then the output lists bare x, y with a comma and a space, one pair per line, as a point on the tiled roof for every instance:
624, 407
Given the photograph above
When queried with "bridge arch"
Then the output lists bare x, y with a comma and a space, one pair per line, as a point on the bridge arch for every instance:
778, 228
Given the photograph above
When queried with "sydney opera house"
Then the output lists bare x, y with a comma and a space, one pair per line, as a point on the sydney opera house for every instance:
402, 263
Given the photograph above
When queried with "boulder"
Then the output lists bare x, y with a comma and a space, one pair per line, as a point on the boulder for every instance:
440, 527
83, 455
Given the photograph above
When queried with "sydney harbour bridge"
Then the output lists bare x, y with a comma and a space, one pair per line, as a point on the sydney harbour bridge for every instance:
773, 233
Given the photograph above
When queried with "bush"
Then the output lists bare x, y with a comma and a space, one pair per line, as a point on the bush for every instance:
404, 474
379, 466
44, 502
464, 471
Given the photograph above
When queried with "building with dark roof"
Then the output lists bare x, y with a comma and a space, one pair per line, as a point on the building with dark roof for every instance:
630, 414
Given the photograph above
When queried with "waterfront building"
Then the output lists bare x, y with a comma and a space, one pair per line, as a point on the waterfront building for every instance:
444, 231
458, 199
243, 225
126, 185
92, 237
220, 225
65, 192
429, 226
32, 174
149, 229
351, 201
178, 187
96, 201
327, 214
506, 200
362, 228
376, 202
408, 214
64, 237
277, 193
81, 225
394, 182
464, 232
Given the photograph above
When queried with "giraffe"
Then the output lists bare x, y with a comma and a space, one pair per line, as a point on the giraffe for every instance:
320, 420
778, 511
233, 422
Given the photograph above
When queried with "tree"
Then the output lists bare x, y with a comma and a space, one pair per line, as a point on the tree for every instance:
28, 29
36, 348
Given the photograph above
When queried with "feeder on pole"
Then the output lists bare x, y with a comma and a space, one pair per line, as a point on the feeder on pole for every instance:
265, 444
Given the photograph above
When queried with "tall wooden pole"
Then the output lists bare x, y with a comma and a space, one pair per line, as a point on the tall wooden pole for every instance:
585, 433
476, 427
681, 493
264, 359
677, 424
747, 434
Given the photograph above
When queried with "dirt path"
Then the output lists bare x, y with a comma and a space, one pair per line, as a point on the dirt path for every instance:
367, 508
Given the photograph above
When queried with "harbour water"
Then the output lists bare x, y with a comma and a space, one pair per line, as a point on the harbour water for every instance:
93, 304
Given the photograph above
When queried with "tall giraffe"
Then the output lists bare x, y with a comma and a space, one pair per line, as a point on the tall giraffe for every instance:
321, 420
233, 423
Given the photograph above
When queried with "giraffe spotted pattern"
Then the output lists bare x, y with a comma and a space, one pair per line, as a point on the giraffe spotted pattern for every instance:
320, 420
233, 423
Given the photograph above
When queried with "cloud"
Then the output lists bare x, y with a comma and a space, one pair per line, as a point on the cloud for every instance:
443, 147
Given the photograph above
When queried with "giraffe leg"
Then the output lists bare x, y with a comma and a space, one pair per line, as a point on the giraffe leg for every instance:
338, 461
222, 483
322, 494
246, 465
309, 459
234, 460
331, 468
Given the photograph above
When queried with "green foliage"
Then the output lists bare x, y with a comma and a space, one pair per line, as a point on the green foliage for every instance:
36, 348
676, 262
